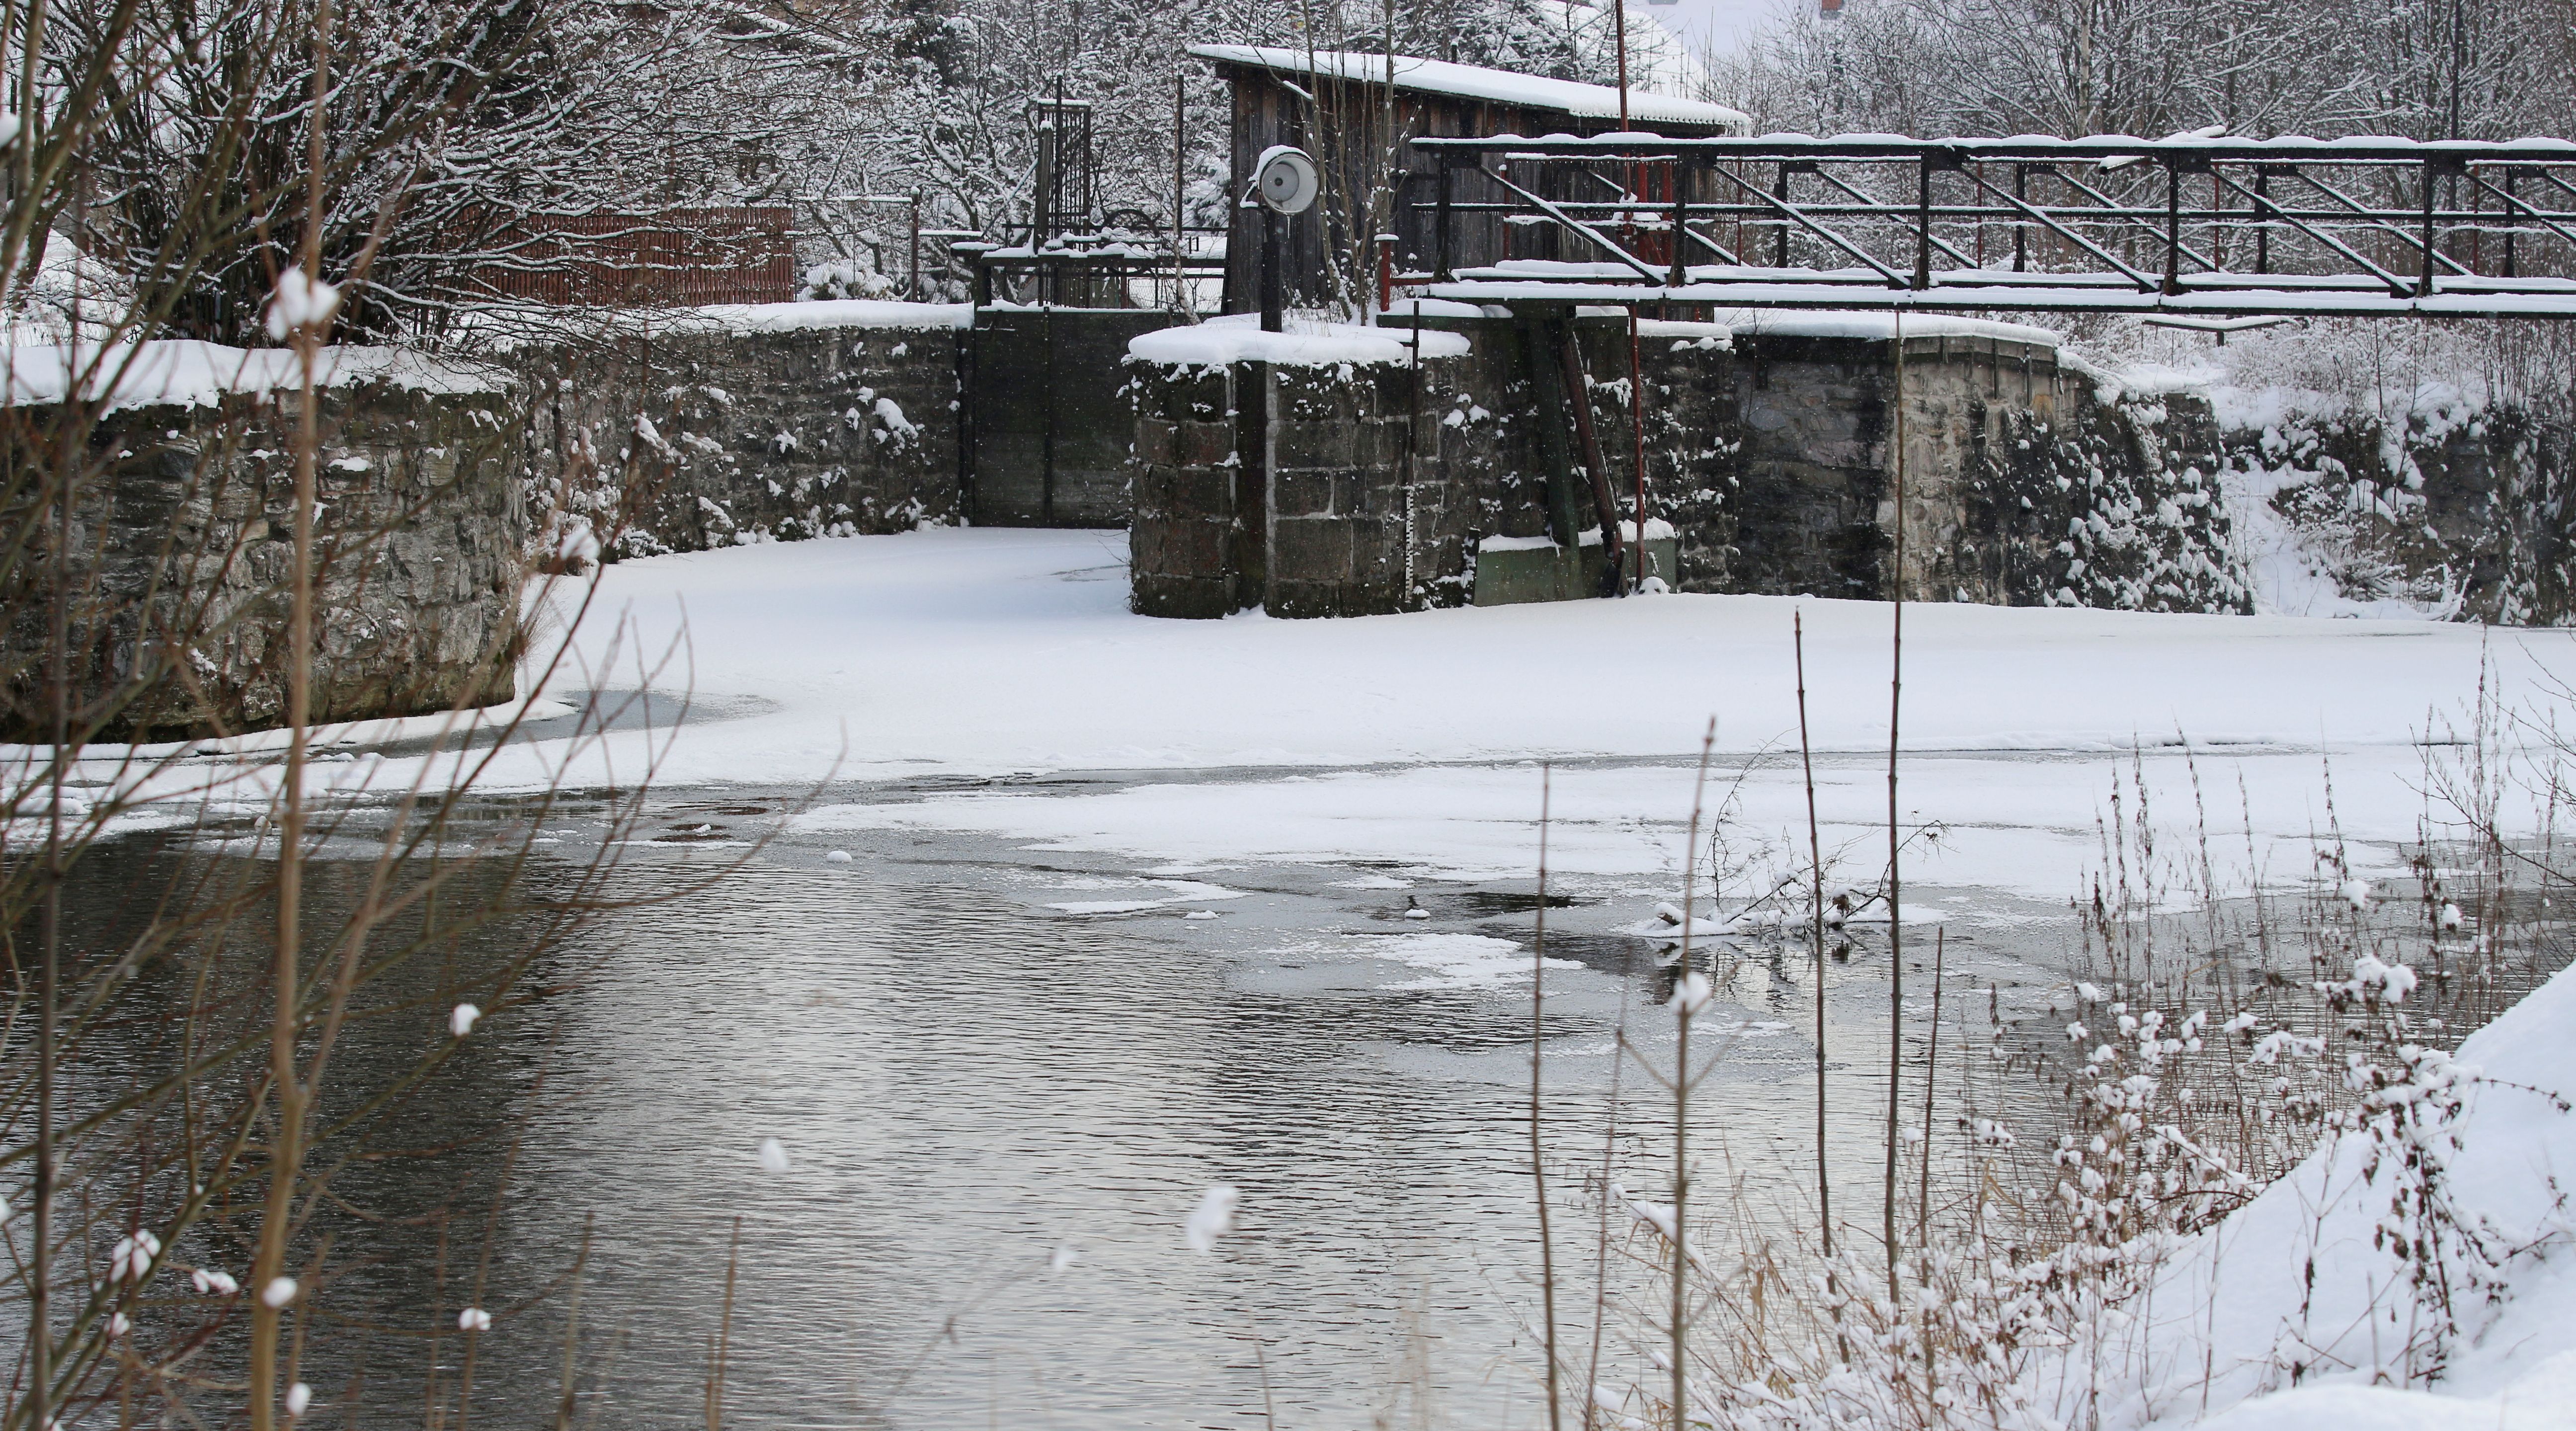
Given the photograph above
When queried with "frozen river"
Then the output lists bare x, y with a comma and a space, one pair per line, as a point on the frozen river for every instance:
1129, 909
996, 1038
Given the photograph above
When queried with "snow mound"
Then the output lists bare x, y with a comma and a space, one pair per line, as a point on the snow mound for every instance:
2315, 1274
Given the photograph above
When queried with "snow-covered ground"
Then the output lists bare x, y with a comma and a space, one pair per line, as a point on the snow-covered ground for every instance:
994, 651
1412, 738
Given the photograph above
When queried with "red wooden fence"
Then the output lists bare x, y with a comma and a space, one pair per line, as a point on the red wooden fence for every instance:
670, 258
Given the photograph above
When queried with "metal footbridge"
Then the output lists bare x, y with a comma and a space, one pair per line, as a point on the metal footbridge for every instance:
2197, 230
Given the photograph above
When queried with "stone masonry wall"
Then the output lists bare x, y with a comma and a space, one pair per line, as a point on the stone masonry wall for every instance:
2467, 511
1770, 454
715, 435
182, 548
1285, 487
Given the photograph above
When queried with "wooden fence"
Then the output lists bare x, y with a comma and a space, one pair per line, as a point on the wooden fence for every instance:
670, 258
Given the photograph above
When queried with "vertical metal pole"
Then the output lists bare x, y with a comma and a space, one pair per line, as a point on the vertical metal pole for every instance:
2021, 234
2217, 226
1922, 226
914, 281
2510, 222
2477, 215
1780, 243
1273, 255
1440, 226
2173, 227
2424, 284
1637, 430
1681, 225
1042, 211
1412, 435
1180, 188
2263, 221
1981, 219
1046, 439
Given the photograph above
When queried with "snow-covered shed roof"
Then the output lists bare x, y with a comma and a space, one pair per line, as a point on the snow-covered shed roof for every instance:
1582, 101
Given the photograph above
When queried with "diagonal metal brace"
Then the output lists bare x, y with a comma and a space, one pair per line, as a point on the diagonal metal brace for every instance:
1554, 211
2145, 283
1792, 211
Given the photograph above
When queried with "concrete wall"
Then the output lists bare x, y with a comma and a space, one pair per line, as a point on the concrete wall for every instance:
181, 549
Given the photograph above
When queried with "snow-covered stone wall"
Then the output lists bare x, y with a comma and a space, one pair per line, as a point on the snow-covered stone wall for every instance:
1308, 474
2444, 507
181, 544
1371, 483
2026, 485
754, 424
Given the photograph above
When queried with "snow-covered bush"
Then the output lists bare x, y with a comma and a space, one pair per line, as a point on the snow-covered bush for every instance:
845, 278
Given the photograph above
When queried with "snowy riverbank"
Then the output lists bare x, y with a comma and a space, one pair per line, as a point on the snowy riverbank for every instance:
2315, 1273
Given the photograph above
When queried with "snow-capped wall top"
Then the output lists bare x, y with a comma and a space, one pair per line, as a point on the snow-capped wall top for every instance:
1238, 338
193, 373
1861, 323
835, 313
1582, 101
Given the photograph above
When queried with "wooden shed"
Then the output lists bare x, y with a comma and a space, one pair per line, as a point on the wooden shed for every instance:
1336, 106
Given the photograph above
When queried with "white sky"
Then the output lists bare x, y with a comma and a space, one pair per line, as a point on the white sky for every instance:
1720, 23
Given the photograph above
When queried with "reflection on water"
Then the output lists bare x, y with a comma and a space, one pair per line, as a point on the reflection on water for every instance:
972, 1088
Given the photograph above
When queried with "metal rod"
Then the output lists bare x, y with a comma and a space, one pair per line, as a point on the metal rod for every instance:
1780, 191
2509, 200
2254, 203
1681, 228
2397, 285
1894, 279
2424, 281
2071, 236
1938, 211
2173, 229
2373, 218
1180, 188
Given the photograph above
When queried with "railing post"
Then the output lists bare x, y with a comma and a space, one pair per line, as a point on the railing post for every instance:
1922, 226
1780, 191
2021, 225
2173, 227
1681, 223
2262, 221
2510, 222
2424, 284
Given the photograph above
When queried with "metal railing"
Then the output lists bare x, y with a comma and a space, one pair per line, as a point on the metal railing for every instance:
2188, 225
